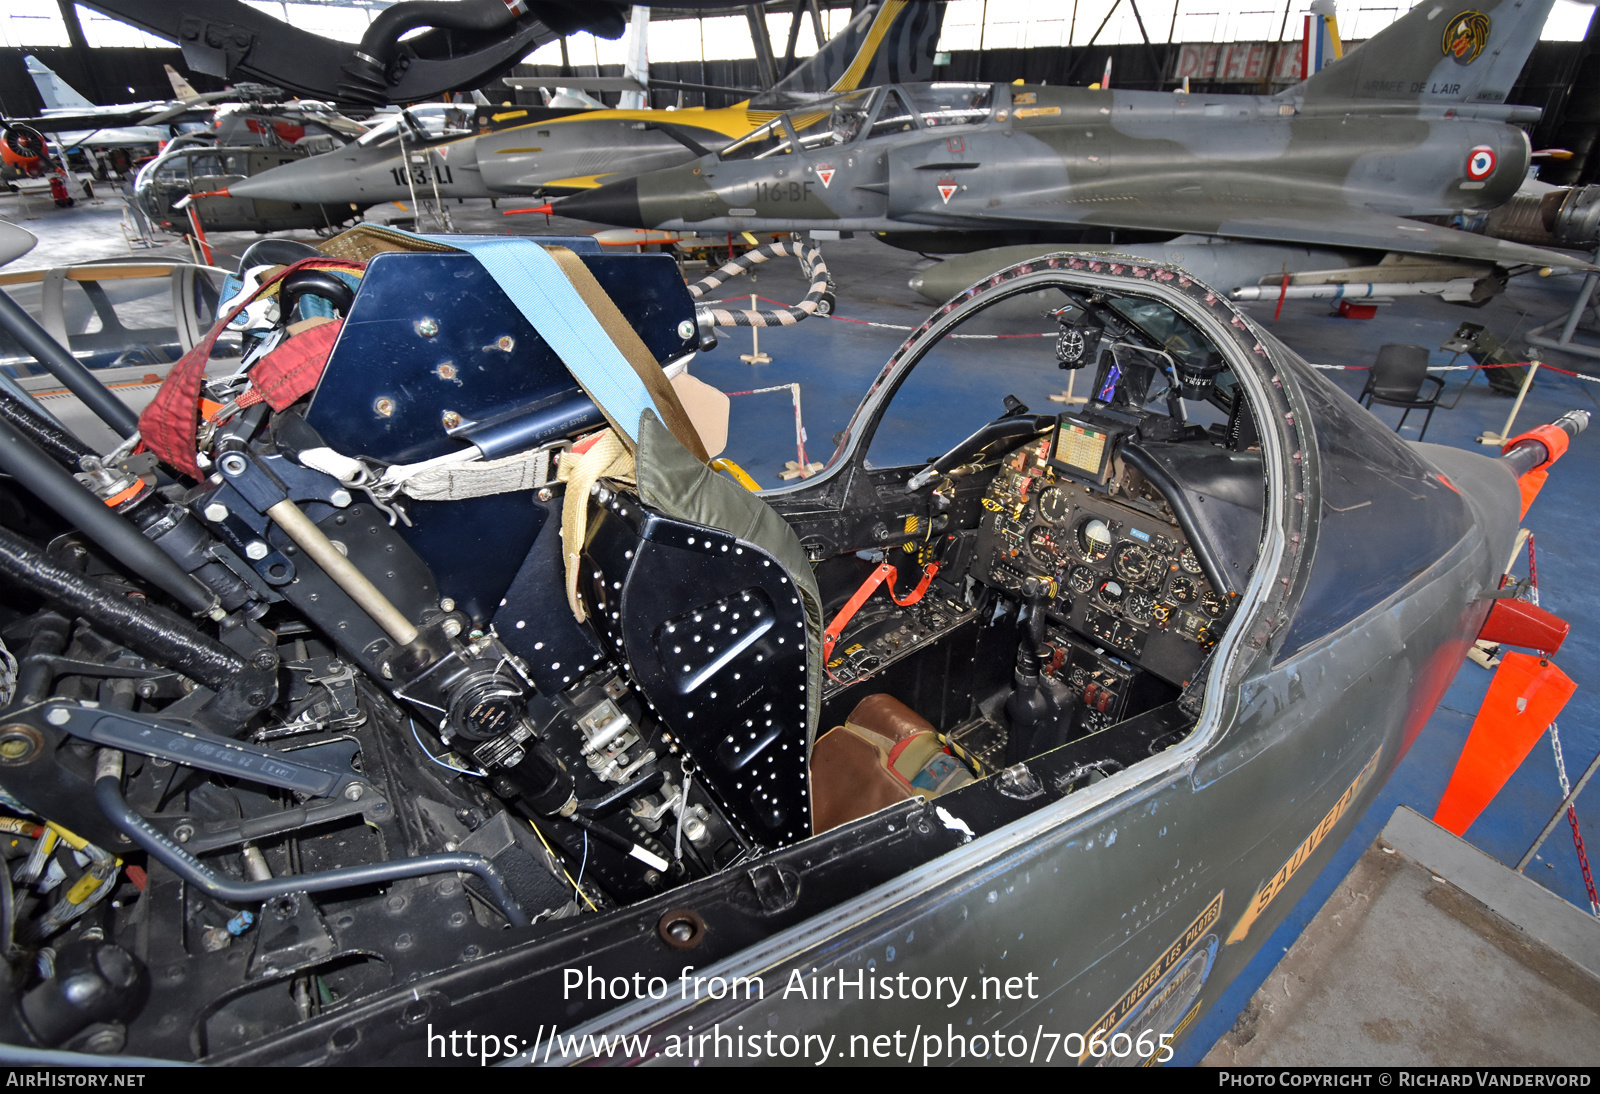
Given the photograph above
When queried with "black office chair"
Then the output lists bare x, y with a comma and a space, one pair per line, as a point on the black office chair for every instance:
1396, 379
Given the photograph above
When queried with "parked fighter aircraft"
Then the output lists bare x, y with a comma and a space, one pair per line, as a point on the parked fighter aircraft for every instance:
1251, 270
62, 100
102, 134
154, 120
577, 151
244, 139
115, 134
1411, 123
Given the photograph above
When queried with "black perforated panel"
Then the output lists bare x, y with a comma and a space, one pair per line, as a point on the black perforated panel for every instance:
712, 632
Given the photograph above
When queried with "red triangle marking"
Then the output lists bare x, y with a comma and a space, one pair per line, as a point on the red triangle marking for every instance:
826, 175
947, 191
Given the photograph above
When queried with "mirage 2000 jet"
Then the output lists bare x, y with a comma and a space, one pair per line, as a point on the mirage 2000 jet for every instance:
1412, 123
584, 149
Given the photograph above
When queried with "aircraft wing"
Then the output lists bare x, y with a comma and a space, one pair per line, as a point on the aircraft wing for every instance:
67, 121
201, 105
1318, 224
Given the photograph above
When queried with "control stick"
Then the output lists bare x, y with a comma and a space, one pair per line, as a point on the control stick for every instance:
1034, 710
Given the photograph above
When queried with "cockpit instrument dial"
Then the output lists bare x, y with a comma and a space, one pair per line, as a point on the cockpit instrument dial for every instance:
1182, 590
1213, 604
1069, 345
1055, 506
1094, 539
1111, 592
1139, 604
1082, 579
1190, 564
1043, 544
1132, 562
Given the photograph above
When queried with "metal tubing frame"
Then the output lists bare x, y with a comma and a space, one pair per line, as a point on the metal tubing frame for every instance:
54, 486
64, 367
310, 539
146, 628
108, 795
1569, 322
60, 444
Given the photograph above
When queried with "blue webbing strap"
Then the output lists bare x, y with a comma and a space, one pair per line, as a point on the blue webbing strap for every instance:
528, 275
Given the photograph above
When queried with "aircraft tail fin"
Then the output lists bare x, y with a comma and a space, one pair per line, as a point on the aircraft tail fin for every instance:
1319, 44
636, 63
1442, 51
893, 42
56, 92
182, 89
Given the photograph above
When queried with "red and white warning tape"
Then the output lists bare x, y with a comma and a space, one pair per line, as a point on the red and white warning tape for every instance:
803, 466
1544, 366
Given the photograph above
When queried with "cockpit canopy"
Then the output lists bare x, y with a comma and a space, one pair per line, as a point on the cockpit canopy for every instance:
865, 115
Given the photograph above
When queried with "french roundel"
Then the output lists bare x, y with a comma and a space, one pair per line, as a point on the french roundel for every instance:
1480, 163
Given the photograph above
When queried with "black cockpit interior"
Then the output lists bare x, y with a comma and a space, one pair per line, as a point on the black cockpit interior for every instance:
1056, 578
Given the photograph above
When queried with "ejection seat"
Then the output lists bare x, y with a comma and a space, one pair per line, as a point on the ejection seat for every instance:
706, 593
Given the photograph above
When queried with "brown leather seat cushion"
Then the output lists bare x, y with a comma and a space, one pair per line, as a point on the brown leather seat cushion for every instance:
850, 777
888, 717
849, 780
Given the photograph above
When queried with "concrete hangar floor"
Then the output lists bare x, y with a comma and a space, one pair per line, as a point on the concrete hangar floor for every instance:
1273, 1013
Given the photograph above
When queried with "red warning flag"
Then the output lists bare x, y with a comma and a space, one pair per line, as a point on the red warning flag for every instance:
1524, 697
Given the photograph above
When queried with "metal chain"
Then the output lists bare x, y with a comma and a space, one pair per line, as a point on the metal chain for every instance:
1533, 573
1583, 861
1561, 761
1561, 764
1572, 822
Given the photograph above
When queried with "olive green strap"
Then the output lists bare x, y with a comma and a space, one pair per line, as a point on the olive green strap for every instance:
633, 350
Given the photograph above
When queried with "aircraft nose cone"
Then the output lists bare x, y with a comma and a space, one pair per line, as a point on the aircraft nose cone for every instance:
935, 283
615, 203
314, 179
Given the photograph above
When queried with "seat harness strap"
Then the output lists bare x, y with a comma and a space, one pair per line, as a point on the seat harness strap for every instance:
560, 298
885, 573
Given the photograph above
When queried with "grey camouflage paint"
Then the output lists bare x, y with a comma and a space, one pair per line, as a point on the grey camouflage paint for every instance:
1337, 161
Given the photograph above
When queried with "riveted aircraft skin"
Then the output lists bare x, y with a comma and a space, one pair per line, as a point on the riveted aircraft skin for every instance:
524, 159
1341, 160
573, 153
1114, 159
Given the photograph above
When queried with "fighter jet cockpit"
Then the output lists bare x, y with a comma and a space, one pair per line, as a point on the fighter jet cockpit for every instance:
824, 125
1061, 563
872, 112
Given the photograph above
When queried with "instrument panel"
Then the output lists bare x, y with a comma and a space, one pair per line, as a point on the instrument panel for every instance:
1128, 579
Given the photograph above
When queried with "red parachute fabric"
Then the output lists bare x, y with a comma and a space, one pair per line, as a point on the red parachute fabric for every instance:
168, 425
292, 370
